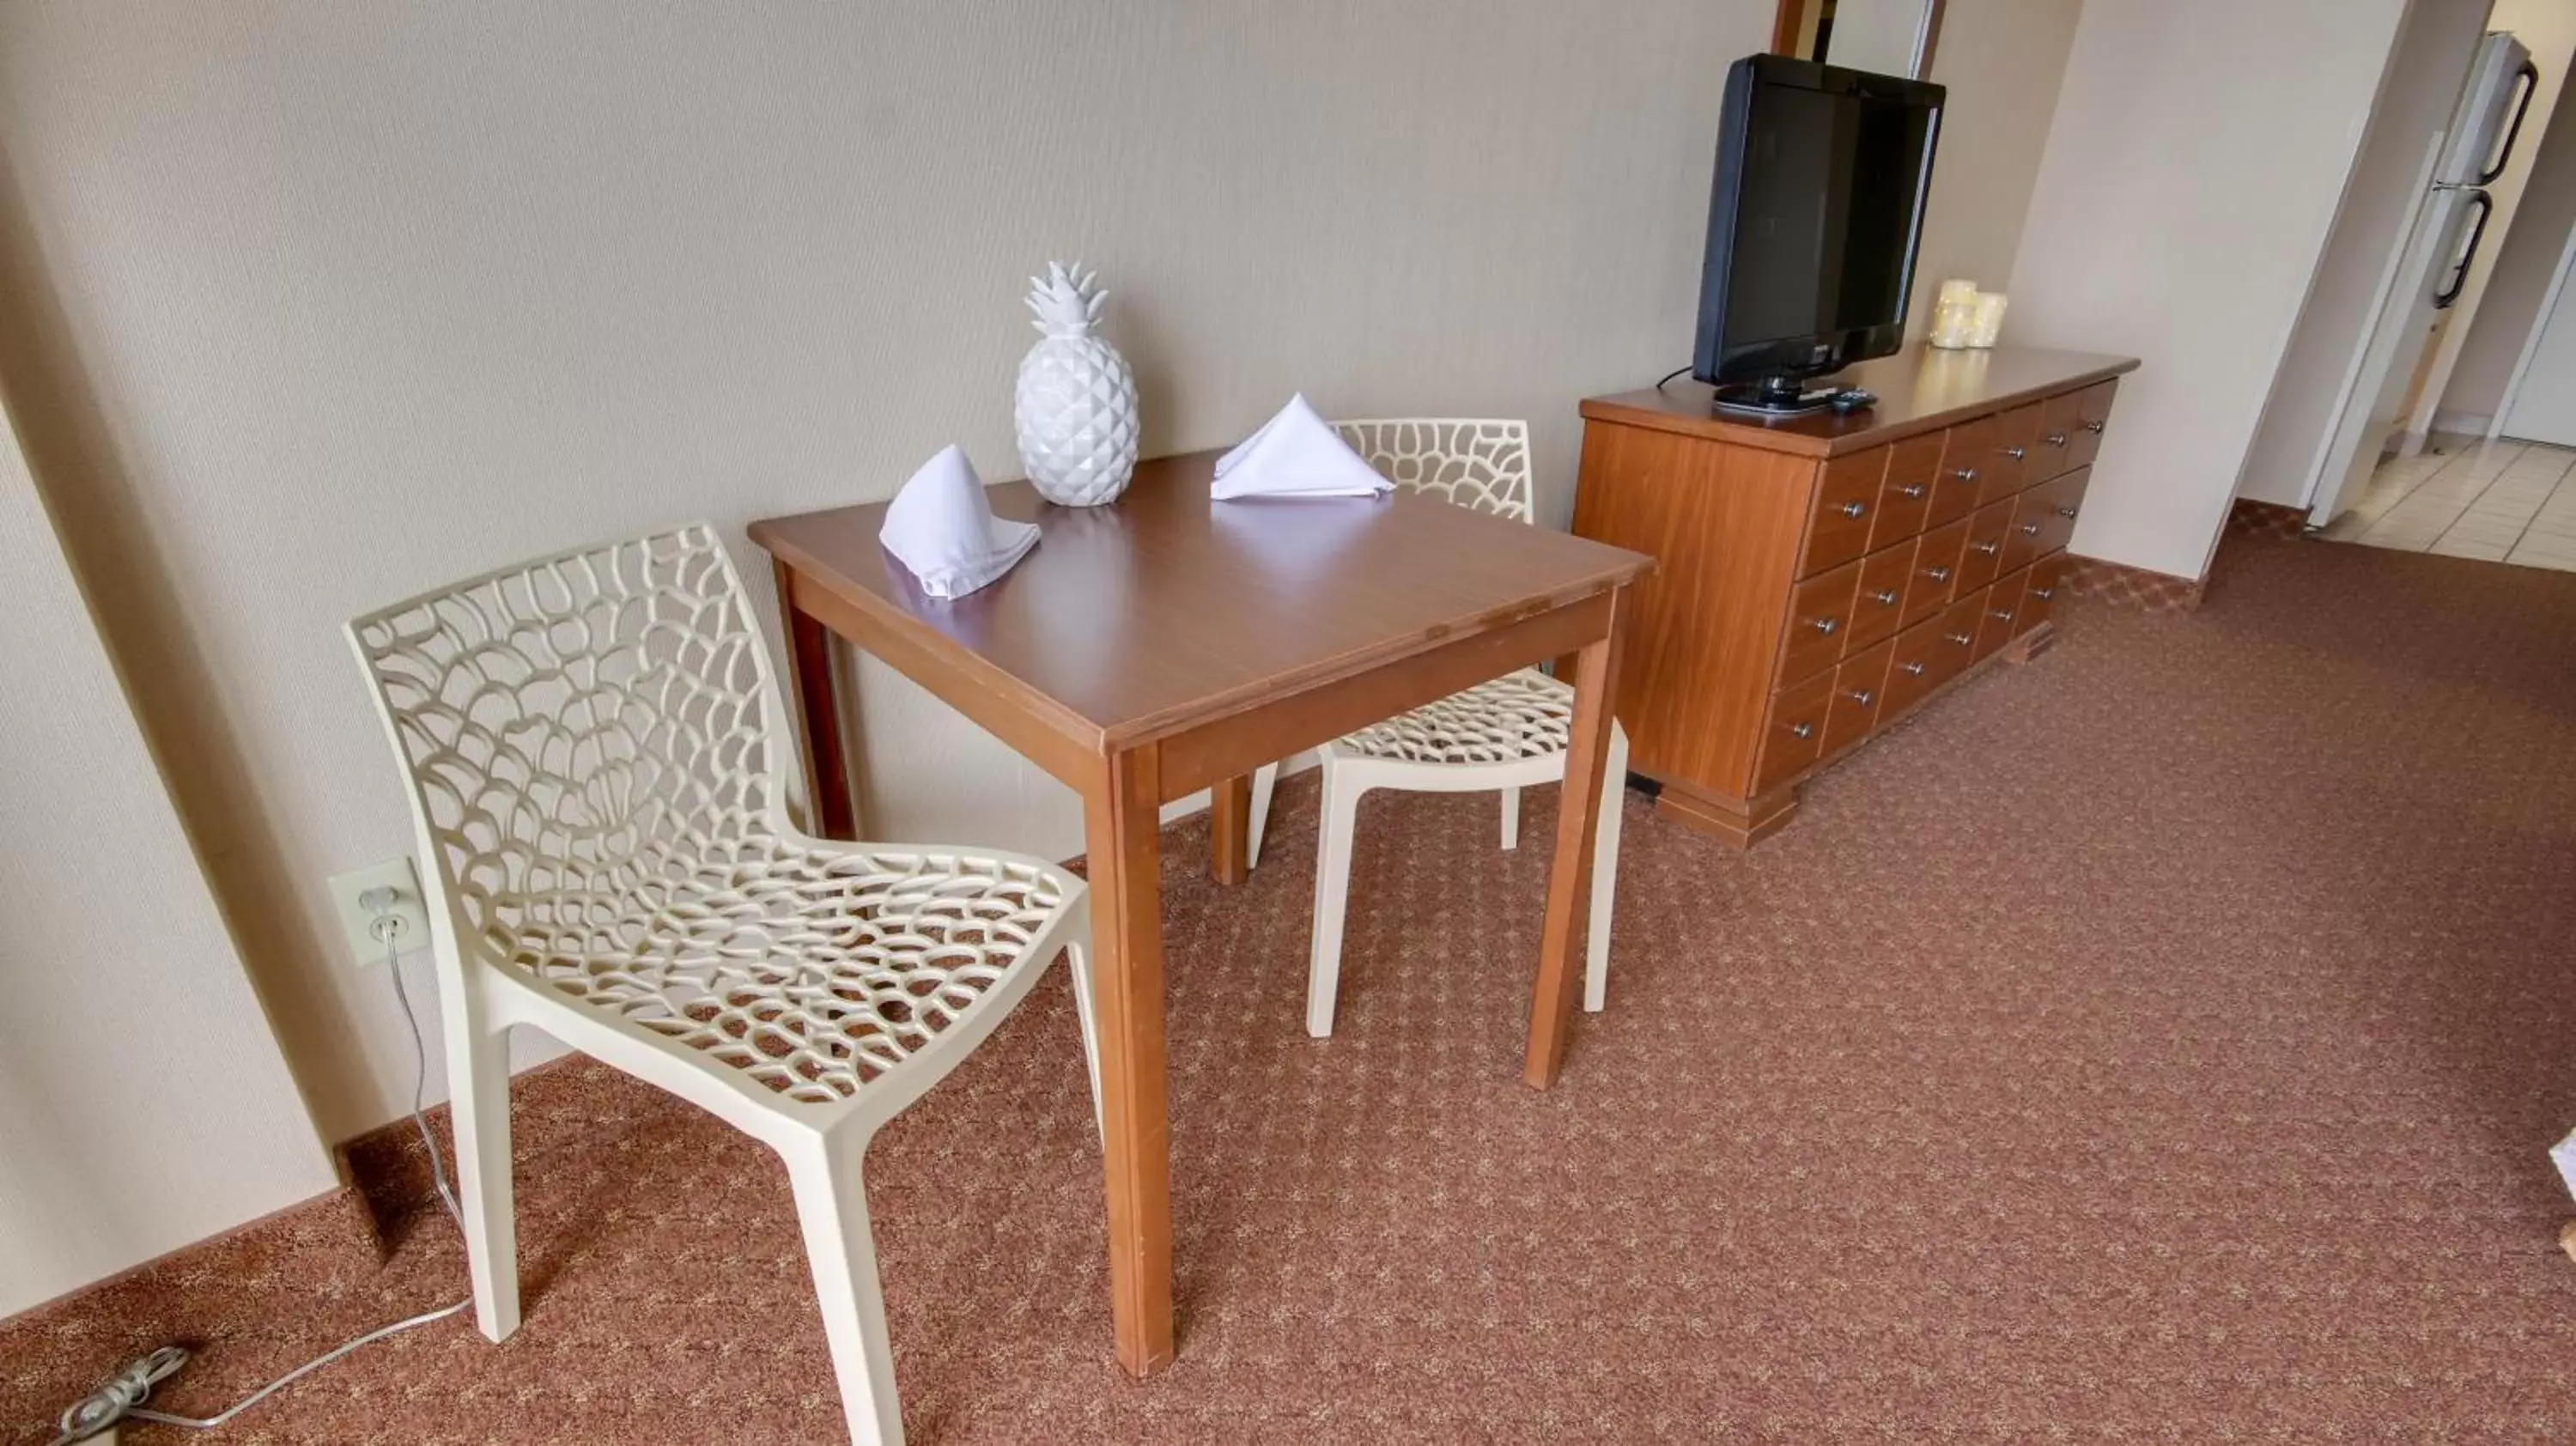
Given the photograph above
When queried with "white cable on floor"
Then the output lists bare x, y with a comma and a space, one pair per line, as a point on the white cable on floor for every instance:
122, 1398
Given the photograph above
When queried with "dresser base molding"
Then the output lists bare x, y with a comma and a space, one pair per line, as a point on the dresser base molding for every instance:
1735, 822
2124, 586
1741, 823
2030, 644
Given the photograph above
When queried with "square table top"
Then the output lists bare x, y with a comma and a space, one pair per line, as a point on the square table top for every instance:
1168, 608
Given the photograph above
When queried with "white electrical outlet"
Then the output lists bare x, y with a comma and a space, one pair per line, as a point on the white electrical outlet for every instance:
358, 921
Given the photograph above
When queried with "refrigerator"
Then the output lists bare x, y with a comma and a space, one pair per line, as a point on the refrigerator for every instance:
2426, 271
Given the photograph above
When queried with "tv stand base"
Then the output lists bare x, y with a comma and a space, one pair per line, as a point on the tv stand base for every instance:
1774, 397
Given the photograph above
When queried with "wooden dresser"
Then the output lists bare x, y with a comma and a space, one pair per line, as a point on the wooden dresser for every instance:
1822, 576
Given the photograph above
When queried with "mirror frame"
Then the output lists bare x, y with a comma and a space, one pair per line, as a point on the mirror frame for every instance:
1790, 18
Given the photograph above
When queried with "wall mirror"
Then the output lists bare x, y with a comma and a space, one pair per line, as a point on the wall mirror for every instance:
1890, 37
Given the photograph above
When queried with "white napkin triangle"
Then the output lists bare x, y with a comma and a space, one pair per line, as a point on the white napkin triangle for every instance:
1295, 454
940, 526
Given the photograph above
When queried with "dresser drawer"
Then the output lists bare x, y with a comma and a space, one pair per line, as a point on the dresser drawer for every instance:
2016, 438
1820, 612
1860, 690
1936, 571
1878, 607
1793, 735
1914, 664
1985, 553
1905, 494
2036, 527
1846, 498
2061, 421
1968, 458
2052, 507
1957, 631
2092, 412
2000, 622
1966, 452
2039, 600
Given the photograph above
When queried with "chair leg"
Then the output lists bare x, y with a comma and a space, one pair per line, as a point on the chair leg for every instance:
832, 1208
478, 1072
1333, 842
1605, 872
1264, 778
1077, 957
1511, 818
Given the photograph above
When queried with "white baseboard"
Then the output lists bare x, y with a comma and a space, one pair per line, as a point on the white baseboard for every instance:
2472, 424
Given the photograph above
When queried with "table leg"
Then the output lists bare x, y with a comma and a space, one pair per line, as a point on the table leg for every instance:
817, 712
1230, 829
1122, 819
1569, 877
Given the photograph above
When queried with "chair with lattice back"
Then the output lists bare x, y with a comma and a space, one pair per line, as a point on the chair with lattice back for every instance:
592, 743
1498, 736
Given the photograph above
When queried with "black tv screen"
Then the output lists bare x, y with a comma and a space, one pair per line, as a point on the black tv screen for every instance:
1818, 203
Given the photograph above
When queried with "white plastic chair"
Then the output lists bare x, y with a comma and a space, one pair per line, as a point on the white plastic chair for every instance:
1500, 736
592, 742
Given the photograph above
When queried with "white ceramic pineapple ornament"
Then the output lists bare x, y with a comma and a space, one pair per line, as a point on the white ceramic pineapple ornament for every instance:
1076, 406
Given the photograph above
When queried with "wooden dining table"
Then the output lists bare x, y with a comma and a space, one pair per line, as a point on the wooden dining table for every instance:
1167, 643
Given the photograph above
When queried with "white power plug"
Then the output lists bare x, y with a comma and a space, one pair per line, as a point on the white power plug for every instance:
370, 900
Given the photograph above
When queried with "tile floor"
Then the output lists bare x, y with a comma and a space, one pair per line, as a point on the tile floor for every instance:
2500, 502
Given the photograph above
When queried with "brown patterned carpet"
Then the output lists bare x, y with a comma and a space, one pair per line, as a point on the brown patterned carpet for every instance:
2157, 1043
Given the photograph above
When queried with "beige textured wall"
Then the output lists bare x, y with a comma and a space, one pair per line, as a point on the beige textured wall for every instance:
143, 1102
339, 301
2524, 265
2417, 95
327, 303
2159, 229
2002, 61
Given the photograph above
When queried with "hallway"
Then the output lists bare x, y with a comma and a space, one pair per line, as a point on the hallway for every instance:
2501, 502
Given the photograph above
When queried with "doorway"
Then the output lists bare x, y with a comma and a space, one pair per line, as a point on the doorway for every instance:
2495, 501
2431, 199
2543, 405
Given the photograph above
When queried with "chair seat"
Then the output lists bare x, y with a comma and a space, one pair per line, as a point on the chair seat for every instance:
816, 969
1519, 715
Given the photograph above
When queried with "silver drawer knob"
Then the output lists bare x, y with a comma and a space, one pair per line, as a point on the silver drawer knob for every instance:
2030, 529
2003, 613
2066, 512
2095, 427
1885, 597
1988, 548
2043, 593
1855, 509
1802, 730
2055, 439
1862, 696
1937, 574
1912, 489
1828, 626
1911, 670
1964, 474
1962, 639
2016, 453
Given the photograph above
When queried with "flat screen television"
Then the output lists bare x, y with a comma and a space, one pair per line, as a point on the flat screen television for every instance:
1812, 224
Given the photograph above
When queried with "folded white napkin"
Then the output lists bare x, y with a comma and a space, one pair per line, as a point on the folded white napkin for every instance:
1295, 454
941, 527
